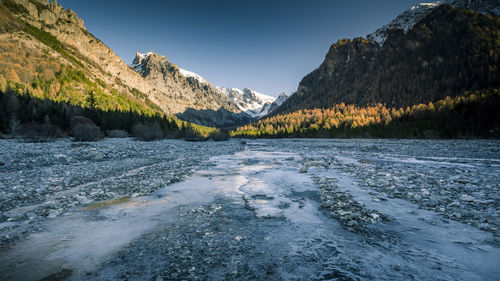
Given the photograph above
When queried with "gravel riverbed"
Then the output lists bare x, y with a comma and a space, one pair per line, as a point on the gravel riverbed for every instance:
266, 210
44, 180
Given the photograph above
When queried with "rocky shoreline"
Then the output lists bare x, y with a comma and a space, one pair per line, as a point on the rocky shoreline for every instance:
40, 181
457, 179
351, 214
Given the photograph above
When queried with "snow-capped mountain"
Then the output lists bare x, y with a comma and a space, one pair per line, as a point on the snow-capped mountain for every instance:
404, 21
249, 101
188, 95
270, 107
409, 18
253, 103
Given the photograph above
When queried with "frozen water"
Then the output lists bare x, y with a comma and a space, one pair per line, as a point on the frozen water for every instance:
44, 180
383, 209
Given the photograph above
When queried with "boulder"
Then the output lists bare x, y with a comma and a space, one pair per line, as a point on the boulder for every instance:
466, 198
310, 164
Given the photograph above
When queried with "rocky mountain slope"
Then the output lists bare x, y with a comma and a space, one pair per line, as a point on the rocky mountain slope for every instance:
251, 102
57, 38
40, 40
195, 98
448, 52
277, 102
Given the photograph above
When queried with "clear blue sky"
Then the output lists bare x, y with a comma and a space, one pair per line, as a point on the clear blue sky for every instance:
265, 45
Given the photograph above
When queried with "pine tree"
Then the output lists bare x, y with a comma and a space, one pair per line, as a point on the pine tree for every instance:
3, 115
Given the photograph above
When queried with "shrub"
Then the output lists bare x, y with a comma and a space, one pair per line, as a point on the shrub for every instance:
117, 134
220, 135
147, 132
15, 126
84, 129
34, 132
191, 134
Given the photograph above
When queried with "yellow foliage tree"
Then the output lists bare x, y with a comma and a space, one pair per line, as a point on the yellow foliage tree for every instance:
12, 76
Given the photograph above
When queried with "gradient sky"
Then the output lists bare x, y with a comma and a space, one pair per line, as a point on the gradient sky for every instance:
265, 45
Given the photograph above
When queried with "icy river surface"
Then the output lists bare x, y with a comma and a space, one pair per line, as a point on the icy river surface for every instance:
254, 210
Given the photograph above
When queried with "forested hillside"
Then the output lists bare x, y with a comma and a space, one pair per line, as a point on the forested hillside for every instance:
471, 115
449, 52
45, 82
40, 119
439, 79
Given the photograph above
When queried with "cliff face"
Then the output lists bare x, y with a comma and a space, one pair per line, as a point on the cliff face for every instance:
196, 100
70, 30
188, 92
337, 78
446, 53
55, 39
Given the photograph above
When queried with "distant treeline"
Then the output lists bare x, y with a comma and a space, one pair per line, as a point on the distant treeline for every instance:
24, 115
475, 114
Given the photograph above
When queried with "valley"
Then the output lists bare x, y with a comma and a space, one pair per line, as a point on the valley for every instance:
192, 162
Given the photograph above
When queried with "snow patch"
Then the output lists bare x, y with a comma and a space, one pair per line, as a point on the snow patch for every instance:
137, 62
196, 76
143, 56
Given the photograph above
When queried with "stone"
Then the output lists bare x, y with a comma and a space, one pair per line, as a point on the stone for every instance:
53, 213
467, 198
83, 199
48, 17
485, 226
352, 223
62, 158
310, 164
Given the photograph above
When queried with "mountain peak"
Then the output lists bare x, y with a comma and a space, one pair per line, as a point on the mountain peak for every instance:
278, 101
145, 63
283, 95
410, 17
139, 57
